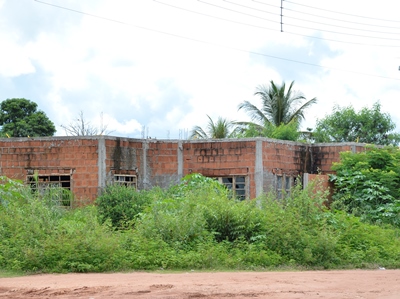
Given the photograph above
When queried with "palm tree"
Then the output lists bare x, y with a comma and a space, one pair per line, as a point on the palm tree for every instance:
279, 106
223, 128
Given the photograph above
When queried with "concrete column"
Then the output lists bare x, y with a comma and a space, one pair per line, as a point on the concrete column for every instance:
146, 181
259, 169
305, 180
180, 160
101, 162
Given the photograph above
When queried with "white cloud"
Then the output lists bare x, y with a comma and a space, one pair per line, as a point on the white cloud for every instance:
14, 58
149, 68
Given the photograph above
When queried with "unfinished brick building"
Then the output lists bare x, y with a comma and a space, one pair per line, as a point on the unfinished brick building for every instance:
86, 164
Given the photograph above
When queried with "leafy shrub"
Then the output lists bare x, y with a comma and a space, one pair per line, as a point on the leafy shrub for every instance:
367, 184
197, 207
185, 229
123, 205
10, 190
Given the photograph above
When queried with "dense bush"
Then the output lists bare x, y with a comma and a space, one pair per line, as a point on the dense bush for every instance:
122, 205
194, 225
367, 184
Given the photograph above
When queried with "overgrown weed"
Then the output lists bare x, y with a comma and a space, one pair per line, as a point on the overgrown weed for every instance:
196, 225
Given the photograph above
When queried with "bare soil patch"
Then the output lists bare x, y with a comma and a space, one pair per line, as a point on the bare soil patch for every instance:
352, 284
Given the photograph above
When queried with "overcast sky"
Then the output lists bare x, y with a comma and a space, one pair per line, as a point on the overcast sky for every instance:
157, 68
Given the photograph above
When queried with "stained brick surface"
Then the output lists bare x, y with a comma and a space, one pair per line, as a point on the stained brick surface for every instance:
162, 162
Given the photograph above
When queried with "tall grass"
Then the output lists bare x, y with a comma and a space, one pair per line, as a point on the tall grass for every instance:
194, 225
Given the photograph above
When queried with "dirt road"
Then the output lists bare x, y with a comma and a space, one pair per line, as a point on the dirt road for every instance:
372, 284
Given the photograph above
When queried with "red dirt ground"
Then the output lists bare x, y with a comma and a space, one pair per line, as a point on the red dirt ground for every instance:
372, 284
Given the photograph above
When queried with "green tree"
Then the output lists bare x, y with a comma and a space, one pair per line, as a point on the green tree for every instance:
283, 132
279, 105
20, 118
222, 128
367, 126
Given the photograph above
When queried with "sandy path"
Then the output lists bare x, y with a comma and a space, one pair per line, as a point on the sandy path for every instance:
352, 284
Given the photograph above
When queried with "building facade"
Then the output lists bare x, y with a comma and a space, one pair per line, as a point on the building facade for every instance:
87, 164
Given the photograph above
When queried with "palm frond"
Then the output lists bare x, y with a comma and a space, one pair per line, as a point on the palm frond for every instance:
222, 128
278, 105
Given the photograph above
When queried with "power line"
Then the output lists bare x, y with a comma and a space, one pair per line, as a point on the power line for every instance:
304, 27
239, 12
266, 28
339, 26
319, 16
212, 43
340, 20
343, 33
214, 17
342, 13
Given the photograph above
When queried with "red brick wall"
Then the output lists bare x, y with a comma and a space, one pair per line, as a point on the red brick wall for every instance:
123, 155
325, 154
218, 158
93, 161
162, 158
58, 155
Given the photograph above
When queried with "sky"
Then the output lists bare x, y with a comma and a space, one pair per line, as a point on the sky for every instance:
157, 68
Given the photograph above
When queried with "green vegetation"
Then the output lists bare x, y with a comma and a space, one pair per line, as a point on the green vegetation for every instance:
280, 113
289, 131
20, 118
367, 126
222, 128
367, 184
193, 225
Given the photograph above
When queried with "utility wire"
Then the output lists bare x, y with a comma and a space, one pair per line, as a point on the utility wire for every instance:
343, 13
330, 18
266, 28
304, 27
339, 26
304, 20
239, 12
343, 33
344, 21
211, 43
214, 17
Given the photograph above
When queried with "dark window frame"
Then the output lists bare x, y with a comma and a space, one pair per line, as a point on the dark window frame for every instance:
237, 184
126, 180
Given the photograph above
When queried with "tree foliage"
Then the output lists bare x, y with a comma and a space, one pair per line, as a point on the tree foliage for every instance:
279, 105
222, 128
283, 132
20, 118
367, 126
368, 183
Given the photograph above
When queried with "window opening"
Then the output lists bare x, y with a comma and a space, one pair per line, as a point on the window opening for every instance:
56, 187
235, 183
284, 184
126, 180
